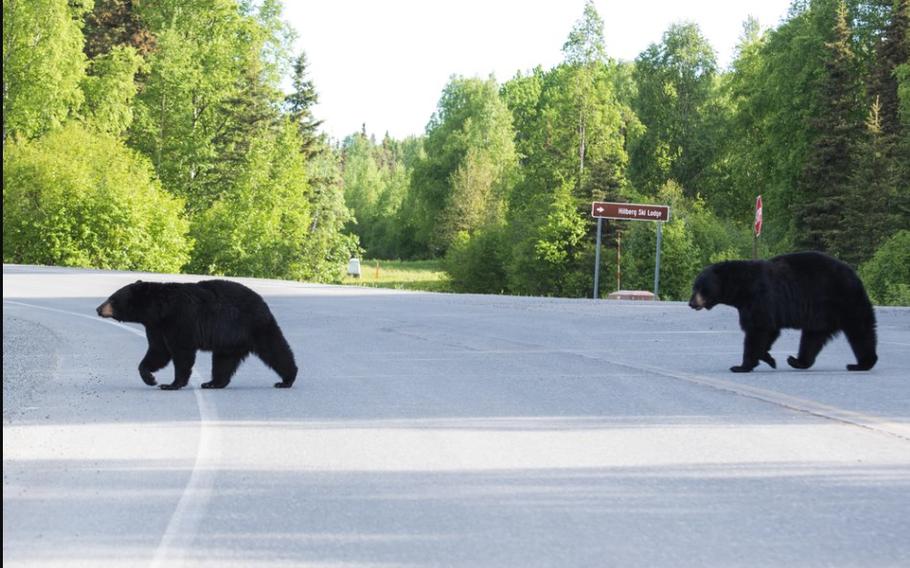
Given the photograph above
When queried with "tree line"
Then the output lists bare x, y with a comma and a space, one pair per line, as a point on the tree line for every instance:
156, 136
814, 115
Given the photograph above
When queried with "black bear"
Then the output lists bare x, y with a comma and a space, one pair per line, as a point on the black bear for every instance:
220, 316
810, 291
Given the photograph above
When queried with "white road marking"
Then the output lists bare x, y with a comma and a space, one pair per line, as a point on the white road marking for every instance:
182, 526
876, 423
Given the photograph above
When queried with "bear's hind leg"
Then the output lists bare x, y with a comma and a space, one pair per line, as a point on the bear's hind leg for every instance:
766, 357
275, 352
224, 365
810, 344
862, 341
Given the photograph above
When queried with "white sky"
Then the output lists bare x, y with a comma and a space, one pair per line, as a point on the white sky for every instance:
385, 62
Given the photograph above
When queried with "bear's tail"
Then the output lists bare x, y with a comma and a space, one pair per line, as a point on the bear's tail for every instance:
273, 349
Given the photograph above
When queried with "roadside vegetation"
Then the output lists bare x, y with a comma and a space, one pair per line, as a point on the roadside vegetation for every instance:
157, 136
418, 275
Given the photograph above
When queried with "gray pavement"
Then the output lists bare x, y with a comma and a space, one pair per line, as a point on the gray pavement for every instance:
447, 430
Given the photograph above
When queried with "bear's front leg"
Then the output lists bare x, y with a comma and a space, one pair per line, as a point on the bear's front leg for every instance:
183, 368
754, 349
146, 374
153, 361
156, 358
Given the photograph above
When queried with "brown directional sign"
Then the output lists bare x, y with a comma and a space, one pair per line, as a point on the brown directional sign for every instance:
630, 211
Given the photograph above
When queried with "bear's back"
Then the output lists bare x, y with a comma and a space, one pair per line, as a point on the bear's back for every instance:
817, 286
817, 271
226, 289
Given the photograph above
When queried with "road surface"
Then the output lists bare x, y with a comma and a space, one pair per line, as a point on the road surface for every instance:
447, 430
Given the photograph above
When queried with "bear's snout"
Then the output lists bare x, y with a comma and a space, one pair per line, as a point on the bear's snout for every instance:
696, 302
105, 310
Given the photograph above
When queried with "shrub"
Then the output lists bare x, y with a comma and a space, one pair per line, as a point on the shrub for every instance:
81, 198
476, 263
887, 274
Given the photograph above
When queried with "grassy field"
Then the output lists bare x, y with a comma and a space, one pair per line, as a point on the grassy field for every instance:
426, 275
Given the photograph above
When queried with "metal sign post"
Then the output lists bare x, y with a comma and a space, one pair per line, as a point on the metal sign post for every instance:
657, 262
597, 258
628, 212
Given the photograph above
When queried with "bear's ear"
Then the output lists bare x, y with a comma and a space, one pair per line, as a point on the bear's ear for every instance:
138, 281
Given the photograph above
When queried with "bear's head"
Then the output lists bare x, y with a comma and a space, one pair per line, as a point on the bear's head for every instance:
706, 290
132, 303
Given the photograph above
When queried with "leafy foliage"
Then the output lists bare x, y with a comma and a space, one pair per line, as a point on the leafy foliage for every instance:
675, 102
109, 89
81, 198
826, 171
263, 227
475, 263
887, 274
43, 65
812, 114
469, 166
693, 238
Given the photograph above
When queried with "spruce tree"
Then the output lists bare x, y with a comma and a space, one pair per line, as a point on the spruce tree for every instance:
868, 210
826, 175
300, 106
112, 23
892, 51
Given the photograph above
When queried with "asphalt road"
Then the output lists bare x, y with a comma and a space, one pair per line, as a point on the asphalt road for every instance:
447, 430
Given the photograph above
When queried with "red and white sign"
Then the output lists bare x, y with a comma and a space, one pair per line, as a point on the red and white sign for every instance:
630, 211
758, 216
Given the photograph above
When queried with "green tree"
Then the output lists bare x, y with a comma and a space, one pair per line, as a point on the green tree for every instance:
43, 64
300, 106
550, 247
470, 162
77, 197
261, 227
871, 201
476, 263
676, 84
550, 231
113, 23
887, 274
824, 182
742, 167
678, 260
187, 116
892, 51
781, 90
363, 187
109, 89
584, 51
328, 246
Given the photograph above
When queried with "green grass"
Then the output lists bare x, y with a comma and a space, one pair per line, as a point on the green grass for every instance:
426, 275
